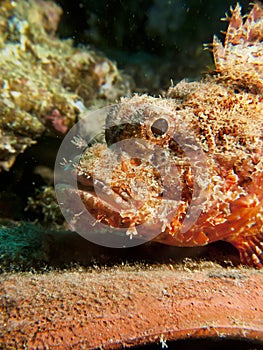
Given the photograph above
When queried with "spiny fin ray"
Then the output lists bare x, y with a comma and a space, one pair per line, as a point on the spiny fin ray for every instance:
251, 250
240, 60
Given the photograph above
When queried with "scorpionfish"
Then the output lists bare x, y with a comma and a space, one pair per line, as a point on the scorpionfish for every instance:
186, 169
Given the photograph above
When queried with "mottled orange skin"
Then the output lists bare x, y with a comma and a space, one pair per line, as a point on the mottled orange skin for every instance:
242, 228
224, 113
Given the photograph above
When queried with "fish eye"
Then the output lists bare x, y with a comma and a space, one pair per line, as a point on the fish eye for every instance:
159, 127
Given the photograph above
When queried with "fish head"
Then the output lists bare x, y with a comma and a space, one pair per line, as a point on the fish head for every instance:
149, 172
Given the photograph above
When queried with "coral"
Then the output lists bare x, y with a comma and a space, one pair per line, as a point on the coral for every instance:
44, 207
45, 83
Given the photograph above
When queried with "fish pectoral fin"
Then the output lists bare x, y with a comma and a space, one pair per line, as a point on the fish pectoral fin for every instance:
250, 249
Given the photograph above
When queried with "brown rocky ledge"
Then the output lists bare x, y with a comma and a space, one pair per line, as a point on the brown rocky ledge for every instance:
128, 306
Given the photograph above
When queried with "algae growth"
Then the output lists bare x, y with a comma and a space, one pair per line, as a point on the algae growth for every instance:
45, 83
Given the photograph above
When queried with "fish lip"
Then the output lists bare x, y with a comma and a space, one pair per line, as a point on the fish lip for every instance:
85, 183
95, 191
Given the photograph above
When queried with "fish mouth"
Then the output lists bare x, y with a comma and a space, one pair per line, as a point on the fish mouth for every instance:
126, 195
109, 206
126, 189
85, 183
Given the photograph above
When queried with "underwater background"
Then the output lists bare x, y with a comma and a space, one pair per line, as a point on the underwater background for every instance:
154, 40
